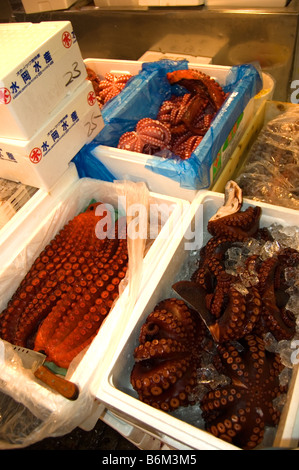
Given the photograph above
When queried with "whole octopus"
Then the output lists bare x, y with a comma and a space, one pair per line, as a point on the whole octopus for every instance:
107, 87
229, 323
181, 121
69, 290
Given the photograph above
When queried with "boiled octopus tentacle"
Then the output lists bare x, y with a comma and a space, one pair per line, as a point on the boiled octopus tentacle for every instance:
239, 412
70, 288
280, 321
167, 357
199, 83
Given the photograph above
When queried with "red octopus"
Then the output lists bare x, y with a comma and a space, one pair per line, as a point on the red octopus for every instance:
168, 355
148, 137
187, 117
109, 86
70, 288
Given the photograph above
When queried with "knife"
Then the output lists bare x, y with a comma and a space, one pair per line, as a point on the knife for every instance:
194, 295
35, 361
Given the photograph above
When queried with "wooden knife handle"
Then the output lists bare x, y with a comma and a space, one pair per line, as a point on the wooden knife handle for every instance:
67, 389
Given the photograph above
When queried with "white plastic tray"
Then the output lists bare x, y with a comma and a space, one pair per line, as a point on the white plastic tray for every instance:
45, 218
115, 390
132, 165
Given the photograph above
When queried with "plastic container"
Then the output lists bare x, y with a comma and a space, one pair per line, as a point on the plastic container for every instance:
266, 94
36, 6
151, 56
103, 66
40, 64
115, 390
45, 217
13, 196
267, 111
42, 160
177, 178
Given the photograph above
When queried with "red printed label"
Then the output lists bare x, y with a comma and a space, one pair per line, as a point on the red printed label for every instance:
91, 98
35, 155
5, 96
67, 39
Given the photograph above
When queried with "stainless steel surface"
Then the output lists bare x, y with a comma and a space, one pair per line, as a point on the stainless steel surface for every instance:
229, 36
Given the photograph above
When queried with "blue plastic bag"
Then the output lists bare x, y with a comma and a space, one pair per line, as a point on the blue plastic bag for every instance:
143, 96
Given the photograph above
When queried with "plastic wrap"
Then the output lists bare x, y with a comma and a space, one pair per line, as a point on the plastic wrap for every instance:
271, 171
29, 411
143, 96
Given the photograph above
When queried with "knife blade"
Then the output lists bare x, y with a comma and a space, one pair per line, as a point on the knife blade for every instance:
35, 361
194, 295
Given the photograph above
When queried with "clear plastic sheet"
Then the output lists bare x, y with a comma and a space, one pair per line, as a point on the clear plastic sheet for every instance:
143, 96
271, 171
29, 411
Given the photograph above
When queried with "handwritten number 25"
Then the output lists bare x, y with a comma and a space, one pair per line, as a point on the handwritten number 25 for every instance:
73, 74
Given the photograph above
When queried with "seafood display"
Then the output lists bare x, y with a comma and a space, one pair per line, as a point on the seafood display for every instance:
69, 290
109, 86
237, 308
182, 121
270, 173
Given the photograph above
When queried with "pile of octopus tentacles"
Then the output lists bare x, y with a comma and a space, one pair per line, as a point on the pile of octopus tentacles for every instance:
69, 290
227, 323
182, 121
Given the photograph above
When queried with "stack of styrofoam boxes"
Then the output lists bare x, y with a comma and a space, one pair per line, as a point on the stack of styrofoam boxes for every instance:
183, 429
48, 109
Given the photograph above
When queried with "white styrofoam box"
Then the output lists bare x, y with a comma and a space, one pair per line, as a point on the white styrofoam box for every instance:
116, 3
246, 3
117, 67
41, 161
133, 165
115, 391
171, 3
40, 64
35, 6
45, 217
193, 44
151, 56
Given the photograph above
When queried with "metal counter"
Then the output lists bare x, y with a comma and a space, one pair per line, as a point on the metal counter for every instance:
227, 36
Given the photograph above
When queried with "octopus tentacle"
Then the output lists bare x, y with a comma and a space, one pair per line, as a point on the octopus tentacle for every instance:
276, 318
199, 83
166, 359
239, 412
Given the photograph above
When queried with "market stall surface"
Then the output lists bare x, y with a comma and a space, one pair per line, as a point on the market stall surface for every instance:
101, 437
